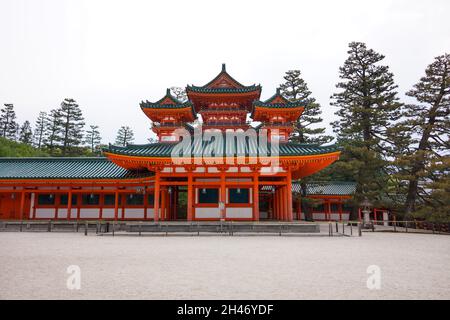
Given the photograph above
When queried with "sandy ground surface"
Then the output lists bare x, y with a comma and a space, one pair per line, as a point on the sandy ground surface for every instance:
413, 266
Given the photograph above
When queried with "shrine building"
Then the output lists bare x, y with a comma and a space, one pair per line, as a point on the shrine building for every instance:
211, 163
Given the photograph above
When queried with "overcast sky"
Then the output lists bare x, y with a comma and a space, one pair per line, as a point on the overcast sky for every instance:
109, 55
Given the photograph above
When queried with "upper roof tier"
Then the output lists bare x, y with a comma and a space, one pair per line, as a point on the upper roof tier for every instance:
262, 110
169, 105
223, 88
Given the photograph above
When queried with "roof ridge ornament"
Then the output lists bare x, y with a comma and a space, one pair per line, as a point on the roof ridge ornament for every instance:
224, 67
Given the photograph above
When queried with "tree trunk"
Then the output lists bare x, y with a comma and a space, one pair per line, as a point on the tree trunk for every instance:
410, 202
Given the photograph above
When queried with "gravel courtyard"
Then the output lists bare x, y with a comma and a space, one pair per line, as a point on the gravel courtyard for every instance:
413, 266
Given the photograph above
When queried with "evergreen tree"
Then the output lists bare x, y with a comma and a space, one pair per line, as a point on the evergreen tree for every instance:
179, 93
368, 108
426, 128
296, 89
124, 136
25, 133
53, 129
39, 131
93, 138
8, 124
72, 123
305, 128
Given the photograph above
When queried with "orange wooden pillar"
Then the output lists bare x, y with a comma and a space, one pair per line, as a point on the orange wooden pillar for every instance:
116, 205
190, 196
329, 210
284, 202
69, 204
255, 197
163, 204
280, 204
290, 213
277, 203
156, 197
22, 204
223, 194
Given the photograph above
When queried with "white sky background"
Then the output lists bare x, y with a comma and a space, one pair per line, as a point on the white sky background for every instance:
109, 55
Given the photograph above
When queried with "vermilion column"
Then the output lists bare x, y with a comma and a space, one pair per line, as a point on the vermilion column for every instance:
22, 204
289, 196
116, 205
163, 204
223, 194
156, 198
329, 210
69, 203
283, 203
255, 197
275, 204
190, 195
280, 203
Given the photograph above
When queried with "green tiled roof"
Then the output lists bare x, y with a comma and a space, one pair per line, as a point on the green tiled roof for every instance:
327, 188
177, 104
322, 188
278, 105
224, 90
240, 88
164, 149
269, 103
64, 168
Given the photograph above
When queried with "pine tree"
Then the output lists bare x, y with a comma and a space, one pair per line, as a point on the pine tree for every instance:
25, 133
72, 123
296, 89
39, 131
305, 128
8, 124
53, 129
124, 136
426, 128
93, 138
368, 108
179, 93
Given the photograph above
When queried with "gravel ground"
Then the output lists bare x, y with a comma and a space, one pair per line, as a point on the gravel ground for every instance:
413, 266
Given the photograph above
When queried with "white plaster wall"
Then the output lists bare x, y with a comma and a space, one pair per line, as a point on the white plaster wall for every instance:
333, 216
92, 213
134, 213
319, 216
150, 213
45, 213
108, 213
62, 213
202, 213
239, 212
